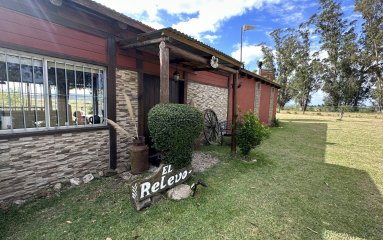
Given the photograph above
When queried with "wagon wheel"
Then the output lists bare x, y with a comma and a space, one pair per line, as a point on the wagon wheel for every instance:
211, 129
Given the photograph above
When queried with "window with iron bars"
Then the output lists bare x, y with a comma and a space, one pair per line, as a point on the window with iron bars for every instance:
39, 92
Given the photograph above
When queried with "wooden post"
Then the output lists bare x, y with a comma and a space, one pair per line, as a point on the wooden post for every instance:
164, 73
111, 94
140, 76
234, 116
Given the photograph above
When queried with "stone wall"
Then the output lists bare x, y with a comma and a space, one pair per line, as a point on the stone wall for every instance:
257, 98
126, 82
271, 108
206, 96
30, 164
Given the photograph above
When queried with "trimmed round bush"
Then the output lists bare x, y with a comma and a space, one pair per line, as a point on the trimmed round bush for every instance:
250, 132
173, 128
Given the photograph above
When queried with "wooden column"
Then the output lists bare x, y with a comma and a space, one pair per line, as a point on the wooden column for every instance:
234, 115
140, 75
164, 73
111, 96
186, 77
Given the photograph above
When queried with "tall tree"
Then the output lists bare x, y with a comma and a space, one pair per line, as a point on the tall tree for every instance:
306, 78
268, 59
330, 27
341, 82
372, 13
285, 46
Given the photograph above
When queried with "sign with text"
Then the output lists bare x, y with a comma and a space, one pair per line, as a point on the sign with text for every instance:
165, 178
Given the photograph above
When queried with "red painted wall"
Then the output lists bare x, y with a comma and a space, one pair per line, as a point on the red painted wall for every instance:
209, 79
245, 96
264, 103
20, 29
125, 60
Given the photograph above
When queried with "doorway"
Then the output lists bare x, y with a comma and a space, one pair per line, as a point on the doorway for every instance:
151, 97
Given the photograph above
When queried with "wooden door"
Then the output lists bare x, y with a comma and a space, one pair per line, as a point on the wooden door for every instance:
151, 97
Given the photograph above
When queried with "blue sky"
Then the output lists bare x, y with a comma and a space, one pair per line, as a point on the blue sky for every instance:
218, 22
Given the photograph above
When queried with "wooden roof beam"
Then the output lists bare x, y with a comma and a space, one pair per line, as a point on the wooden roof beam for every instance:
143, 43
199, 59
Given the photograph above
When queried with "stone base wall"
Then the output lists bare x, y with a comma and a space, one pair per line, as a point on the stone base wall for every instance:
30, 164
126, 82
206, 96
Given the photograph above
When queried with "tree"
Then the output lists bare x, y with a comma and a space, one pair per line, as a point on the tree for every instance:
372, 13
268, 59
342, 66
285, 46
306, 80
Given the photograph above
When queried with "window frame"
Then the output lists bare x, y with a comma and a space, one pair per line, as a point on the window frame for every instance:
47, 115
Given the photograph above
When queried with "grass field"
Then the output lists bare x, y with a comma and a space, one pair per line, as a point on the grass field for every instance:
315, 178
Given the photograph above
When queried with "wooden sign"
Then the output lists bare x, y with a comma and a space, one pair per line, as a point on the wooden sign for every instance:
165, 178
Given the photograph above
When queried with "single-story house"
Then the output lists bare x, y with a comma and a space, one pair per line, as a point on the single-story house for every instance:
65, 67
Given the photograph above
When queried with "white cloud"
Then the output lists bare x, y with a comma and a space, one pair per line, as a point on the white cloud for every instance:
206, 19
211, 38
250, 54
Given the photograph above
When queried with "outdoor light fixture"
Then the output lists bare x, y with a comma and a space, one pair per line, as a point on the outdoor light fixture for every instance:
244, 28
176, 75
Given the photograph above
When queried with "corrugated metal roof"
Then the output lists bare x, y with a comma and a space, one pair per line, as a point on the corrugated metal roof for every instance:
170, 32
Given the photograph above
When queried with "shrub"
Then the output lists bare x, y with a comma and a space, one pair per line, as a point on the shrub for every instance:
275, 122
250, 132
173, 128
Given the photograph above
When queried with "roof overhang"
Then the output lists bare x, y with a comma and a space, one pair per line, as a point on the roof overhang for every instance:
249, 74
184, 50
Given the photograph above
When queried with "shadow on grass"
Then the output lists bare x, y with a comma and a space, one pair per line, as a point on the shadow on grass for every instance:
326, 200
289, 193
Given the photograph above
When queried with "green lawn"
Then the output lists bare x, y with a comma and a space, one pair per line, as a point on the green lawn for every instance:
315, 178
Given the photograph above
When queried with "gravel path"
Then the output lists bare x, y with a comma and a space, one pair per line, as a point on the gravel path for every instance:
202, 161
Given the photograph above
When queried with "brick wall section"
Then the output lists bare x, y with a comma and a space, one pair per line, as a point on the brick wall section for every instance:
29, 164
126, 82
206, 96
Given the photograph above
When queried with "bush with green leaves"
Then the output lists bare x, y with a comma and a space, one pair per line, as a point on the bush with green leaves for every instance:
173, 128
250, 132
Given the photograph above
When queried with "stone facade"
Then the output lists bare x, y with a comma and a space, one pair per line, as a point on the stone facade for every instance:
257, 98
206, 96
126, 82
30, 164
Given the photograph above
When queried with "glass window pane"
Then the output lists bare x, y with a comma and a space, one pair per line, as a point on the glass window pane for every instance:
80, 91
52, 94
38, 93
71, 83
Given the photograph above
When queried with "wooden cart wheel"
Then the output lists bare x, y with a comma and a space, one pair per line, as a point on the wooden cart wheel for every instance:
212, 128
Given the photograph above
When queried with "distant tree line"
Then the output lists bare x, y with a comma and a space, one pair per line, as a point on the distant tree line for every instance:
348, 67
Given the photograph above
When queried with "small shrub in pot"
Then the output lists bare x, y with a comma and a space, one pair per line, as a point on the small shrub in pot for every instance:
173, 128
